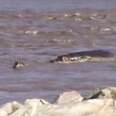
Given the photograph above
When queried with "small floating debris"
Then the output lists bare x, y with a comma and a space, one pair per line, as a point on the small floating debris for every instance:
84, 18
19, 65
66, 15
31, 32
52, 18
77, 14
106, 30
96, 16
73, 15
84, 56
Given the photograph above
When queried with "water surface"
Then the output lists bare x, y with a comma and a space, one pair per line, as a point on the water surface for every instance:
38, 31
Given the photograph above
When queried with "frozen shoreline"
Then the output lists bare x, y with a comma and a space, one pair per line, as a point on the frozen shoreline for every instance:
102, 103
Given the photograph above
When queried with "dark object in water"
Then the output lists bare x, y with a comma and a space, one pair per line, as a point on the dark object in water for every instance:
84, 56
18, 65
95, 95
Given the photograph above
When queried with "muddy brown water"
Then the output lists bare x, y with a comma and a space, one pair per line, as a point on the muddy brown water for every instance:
35, 35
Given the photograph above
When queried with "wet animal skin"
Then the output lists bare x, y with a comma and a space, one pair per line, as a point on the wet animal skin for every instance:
85, 56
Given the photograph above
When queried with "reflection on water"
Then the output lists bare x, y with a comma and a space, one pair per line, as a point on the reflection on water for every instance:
37, 37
